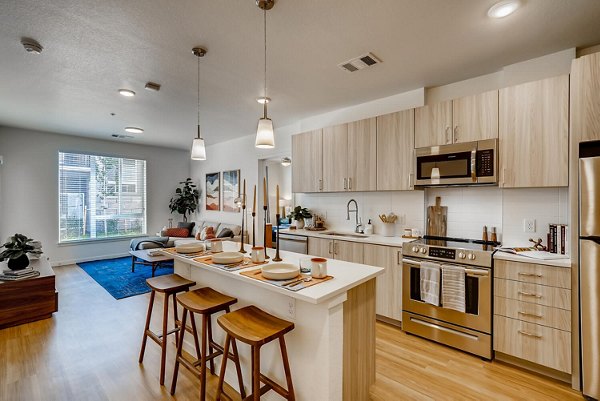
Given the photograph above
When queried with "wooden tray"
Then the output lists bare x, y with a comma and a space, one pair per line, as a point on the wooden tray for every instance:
257, 275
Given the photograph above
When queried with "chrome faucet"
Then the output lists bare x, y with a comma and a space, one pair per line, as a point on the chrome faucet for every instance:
359, 226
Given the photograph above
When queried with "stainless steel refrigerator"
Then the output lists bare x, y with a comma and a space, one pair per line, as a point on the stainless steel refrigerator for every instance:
589, 266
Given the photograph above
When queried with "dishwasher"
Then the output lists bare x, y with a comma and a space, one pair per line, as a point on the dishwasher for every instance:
293, 243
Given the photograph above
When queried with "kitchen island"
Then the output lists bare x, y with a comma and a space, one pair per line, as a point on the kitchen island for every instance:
332, 347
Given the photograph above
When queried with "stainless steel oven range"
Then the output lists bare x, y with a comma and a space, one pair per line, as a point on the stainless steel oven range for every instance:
467, 323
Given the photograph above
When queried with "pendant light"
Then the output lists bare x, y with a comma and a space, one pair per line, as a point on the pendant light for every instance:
198, 148
265, 137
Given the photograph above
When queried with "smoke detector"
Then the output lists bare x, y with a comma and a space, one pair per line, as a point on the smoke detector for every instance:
121, 136
358, 63
152, 86
31, 45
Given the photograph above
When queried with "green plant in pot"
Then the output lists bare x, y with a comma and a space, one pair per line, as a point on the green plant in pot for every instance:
299, 214
186, 199
16, 249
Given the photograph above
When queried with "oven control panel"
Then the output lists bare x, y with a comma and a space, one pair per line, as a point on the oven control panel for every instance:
443, 253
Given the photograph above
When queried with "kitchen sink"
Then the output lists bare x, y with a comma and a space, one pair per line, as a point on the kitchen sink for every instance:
349, 235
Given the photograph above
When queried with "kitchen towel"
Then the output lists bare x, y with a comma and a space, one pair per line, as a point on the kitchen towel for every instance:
453, 287
430, 283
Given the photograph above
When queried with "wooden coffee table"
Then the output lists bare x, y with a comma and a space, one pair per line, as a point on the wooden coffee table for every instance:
142, 257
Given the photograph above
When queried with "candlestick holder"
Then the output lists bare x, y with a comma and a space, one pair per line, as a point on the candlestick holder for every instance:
277, 258
253, 229
265, 232
242, 250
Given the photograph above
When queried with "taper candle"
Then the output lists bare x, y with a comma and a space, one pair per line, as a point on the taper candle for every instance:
244, 195
277, 194
254, 203
265, 191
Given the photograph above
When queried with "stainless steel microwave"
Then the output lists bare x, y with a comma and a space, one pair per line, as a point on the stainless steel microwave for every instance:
469, 163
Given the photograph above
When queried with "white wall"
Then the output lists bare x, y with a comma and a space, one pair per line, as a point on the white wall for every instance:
29, 188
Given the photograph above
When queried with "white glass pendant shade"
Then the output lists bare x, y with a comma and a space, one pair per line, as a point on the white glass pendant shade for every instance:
198, 149
265, 138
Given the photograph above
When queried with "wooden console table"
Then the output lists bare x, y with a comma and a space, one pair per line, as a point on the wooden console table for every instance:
28, 300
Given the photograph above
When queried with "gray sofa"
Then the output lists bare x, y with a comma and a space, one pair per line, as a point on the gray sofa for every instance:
155, 242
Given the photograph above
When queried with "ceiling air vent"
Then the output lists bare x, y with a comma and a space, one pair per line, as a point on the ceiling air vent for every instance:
359, 63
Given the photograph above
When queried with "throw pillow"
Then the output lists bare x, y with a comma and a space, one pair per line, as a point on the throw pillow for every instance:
188, 225
225, 233
177, 232
207, 233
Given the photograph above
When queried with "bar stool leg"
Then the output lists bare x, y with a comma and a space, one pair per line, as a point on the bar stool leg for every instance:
286, 368
223, 367
256, 373
203, 357
238, 368
147, 327
179, 352
175, 317
210, 348
195, 334
163, 343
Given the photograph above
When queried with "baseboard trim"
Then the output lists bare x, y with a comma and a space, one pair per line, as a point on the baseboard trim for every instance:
89, 259
533, 367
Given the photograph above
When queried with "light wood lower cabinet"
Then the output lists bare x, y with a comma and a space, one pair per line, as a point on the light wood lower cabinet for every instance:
389, 284
347, 251
532, 313
538, 344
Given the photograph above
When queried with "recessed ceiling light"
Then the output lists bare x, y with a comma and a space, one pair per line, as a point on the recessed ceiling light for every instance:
263, 100
134, 130
127, 92
503, 8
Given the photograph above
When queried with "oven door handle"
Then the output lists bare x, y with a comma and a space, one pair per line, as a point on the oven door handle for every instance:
474, 165
477, 272
411, 262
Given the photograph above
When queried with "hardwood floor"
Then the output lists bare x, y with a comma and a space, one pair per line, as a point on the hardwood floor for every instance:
89, 351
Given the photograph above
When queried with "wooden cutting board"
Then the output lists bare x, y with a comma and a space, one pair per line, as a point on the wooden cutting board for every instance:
437, 219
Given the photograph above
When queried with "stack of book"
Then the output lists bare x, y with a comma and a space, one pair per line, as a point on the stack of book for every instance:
12, 275
558, 239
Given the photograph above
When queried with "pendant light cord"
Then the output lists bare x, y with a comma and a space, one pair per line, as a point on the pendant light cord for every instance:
265, 40
198, 97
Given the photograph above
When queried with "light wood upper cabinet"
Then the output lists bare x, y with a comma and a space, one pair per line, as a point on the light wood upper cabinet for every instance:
335, 158
534, 134
433, 124
362, 155
395, 150
475, 117
307, 165
389, 284
585, 98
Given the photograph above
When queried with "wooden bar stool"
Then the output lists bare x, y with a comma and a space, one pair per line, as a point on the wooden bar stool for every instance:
255, 327
204, 301
169, 284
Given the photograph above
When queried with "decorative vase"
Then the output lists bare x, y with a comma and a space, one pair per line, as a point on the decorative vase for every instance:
300, 224
19, 263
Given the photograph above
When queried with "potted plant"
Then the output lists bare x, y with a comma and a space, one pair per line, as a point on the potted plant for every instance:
16, 249
299, 214
186, 199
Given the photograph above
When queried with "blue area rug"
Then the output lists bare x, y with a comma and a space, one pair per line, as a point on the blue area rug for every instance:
115, 276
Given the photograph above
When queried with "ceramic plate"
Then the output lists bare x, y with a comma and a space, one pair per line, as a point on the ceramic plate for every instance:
189, 248
280, 271
225, 258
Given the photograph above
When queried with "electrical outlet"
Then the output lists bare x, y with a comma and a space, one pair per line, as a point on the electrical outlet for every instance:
529, 225
292, 308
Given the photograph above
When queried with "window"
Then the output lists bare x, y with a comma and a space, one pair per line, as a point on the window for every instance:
100, 197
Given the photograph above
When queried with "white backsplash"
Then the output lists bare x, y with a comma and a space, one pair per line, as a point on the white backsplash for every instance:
469, 209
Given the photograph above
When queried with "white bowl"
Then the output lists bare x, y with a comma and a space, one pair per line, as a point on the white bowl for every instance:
280, 271
190, 247
225, 258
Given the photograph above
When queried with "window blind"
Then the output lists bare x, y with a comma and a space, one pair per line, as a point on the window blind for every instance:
100, 197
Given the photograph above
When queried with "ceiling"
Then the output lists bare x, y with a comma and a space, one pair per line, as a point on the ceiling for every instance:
92, 48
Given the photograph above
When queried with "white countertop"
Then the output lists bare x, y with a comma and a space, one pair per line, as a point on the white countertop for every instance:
346, 275
367, 239
524, 259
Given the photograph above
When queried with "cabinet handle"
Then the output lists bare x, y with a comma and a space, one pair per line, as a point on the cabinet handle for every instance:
529, 314
456, 134
529, 274
349, 183
410, 180
399, 258
330, 244
320, 185
335, 248
525, 333
503, 179
447, 135
345, 183
529, 294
